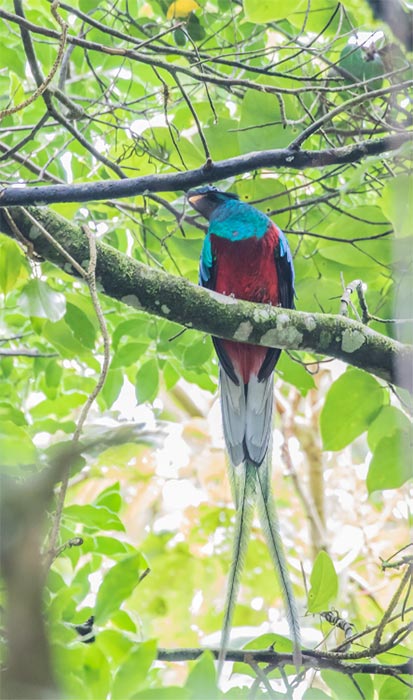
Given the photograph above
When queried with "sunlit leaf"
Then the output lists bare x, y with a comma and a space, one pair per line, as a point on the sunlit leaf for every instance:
392, 688
389, 421
323, 584
344, 687
38, 299
392, 462
110, 498
352, 403
94, 518
268, 10
11, 260
315, 694
147, 380
202, 680
118, 584
294, 373
128, 354
16, 447
397, 204
80, 324
133, 672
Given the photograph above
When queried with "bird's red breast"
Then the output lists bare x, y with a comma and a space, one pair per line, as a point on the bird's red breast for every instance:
246, 269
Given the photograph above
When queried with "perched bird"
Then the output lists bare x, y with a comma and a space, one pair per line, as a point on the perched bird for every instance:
247, 256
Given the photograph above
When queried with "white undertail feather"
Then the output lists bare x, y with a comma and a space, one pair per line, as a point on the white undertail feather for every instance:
258, 424
233, 416
246, 418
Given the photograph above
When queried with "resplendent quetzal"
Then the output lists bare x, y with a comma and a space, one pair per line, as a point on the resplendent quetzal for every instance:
246, 255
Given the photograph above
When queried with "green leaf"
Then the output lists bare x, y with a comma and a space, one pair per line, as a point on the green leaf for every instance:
197, 353
180, 37
128, 354
112, 386
189, 249
397, 203
38, 299
88, 5
135, 327
202, 679
117, 585
371, 221
324, 584
94, 517
147, 381
53, 374
315, 694
96, 672
268, 10
106, 545
389, 421
352, 403
11, 261
195, 28
62, 338
110, 498
121, 619
16, 447
115, 644
393, 689
258, 110
343, 686
294, 373
133, 672
80, 325
60, 407
170, 375
280, 644
10, 413
392, 462
222, 138
270, 639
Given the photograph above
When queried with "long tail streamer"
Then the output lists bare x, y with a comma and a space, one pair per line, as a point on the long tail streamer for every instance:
243, 482
250, 485
269, 522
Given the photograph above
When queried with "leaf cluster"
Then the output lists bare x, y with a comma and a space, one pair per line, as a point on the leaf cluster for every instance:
157, 88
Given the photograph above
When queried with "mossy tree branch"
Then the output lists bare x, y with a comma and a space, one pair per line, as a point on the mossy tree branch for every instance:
178, 300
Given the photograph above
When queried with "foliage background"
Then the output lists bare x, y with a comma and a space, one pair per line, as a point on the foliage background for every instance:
152, 88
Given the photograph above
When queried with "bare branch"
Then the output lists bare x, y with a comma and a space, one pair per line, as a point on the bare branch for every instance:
170, 182
310, 660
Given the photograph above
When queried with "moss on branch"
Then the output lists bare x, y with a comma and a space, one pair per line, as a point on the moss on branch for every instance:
179, 300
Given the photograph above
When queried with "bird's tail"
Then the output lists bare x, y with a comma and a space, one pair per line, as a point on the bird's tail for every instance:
244, 487
269, 522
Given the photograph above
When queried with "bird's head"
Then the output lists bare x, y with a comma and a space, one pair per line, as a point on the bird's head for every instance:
206, 199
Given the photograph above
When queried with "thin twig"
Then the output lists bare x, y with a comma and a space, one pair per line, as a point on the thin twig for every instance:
90, 278
48, 79
395, 599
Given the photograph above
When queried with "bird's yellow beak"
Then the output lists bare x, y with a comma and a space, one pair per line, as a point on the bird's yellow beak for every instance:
194, 198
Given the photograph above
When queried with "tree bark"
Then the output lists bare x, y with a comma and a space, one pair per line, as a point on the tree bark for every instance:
178, 300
